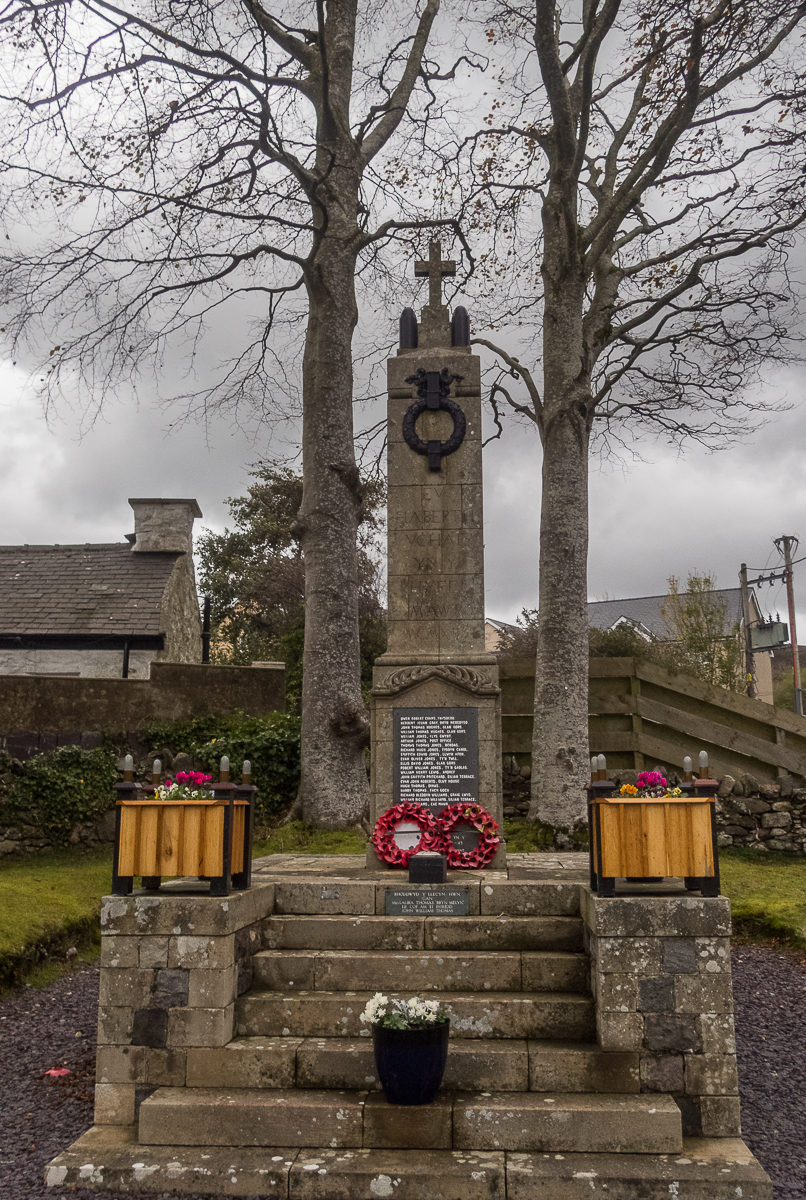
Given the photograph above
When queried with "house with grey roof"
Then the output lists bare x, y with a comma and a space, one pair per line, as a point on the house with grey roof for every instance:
104, 611
645, 613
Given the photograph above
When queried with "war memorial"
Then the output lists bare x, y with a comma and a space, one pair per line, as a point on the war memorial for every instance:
592, 1049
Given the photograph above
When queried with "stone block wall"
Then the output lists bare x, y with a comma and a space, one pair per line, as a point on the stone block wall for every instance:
171, 969
39, 713
660, 976
765, 816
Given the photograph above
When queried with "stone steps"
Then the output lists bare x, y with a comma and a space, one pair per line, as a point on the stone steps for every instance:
489, 894
486, 1064
707, 1169
558, 931
420, 971
557, 1015
581, 1123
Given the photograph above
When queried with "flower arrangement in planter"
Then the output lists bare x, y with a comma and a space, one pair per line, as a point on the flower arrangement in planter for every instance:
410, 1040
187, 827
649, 784
404, 1014
189, 785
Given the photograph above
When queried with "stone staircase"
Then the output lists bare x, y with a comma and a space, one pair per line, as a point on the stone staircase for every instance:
290, 1108
523, 1072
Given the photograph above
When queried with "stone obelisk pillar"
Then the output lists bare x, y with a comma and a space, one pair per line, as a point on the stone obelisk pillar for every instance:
436, 720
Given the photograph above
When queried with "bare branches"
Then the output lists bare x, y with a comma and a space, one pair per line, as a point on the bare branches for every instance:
674, 187
393, 110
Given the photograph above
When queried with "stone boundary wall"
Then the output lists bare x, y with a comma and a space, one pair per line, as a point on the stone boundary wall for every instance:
660, 976
38, 713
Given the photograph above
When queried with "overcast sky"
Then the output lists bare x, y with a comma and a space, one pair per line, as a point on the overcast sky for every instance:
665, 516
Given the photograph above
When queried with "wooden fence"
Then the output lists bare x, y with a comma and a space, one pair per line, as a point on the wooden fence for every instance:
641, 716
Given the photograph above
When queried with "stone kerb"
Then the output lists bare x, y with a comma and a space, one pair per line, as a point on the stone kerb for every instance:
171, 969
660, 976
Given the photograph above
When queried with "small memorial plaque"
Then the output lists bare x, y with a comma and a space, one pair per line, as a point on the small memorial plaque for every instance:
464, 838
436, 756
427, 902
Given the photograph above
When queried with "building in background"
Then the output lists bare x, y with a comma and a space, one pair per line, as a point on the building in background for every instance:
104, 611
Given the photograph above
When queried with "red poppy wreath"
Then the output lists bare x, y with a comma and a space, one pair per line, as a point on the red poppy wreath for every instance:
383, 837
477, 818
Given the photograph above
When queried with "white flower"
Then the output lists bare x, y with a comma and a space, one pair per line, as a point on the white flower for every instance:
374, 1009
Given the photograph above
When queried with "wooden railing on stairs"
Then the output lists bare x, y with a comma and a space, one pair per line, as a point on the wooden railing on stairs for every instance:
641, 716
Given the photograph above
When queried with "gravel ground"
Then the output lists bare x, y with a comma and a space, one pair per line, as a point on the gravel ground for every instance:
55, 1027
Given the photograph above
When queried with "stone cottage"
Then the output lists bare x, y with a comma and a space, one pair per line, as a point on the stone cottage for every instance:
108, 610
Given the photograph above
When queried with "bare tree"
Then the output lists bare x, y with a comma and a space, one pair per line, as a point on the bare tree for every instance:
186, 164
642, 167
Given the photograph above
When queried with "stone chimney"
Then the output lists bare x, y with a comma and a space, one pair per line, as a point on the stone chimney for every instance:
164, 526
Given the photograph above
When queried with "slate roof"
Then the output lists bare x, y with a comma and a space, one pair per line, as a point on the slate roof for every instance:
646, 611
82, 590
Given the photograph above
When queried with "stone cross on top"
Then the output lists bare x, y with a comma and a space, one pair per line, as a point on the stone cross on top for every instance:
435, 267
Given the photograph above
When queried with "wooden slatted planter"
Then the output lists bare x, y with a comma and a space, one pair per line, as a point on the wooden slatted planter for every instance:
651, 838
207, 839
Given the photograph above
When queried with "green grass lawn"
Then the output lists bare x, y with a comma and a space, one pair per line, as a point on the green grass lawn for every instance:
51, 901
767, 893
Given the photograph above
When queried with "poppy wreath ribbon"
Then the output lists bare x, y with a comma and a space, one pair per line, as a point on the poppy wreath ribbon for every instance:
383, 836
477, 818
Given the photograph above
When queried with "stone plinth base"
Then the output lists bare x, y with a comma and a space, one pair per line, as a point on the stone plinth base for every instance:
210, 1084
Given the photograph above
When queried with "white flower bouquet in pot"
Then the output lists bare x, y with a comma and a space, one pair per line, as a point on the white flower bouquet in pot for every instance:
410, 1039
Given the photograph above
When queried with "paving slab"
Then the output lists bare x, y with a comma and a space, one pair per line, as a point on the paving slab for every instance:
555, 971
530, 898
336, 1063
337, 895
474, 1015
503, 933
185, 909
245, 1063
707, 1169
343, 933
251, 1117
568, 1122
402, 1174
418, 971
581, 1067
674, 915
108, 1157
501, 1066
408, 1127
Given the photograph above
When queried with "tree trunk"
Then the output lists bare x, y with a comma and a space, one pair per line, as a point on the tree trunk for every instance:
334, 790
560, 741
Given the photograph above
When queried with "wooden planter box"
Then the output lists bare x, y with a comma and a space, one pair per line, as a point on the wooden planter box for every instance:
653, 838
210, 839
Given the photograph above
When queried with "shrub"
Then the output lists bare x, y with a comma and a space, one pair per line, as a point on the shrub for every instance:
58, 791
271, 743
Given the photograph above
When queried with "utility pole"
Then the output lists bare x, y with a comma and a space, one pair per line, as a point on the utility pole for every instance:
785, 545
750, 673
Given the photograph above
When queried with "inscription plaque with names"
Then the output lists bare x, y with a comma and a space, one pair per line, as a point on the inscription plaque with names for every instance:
427, 902
436, 756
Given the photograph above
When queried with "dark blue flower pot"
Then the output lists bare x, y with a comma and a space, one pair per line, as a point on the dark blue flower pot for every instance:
411, 1062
